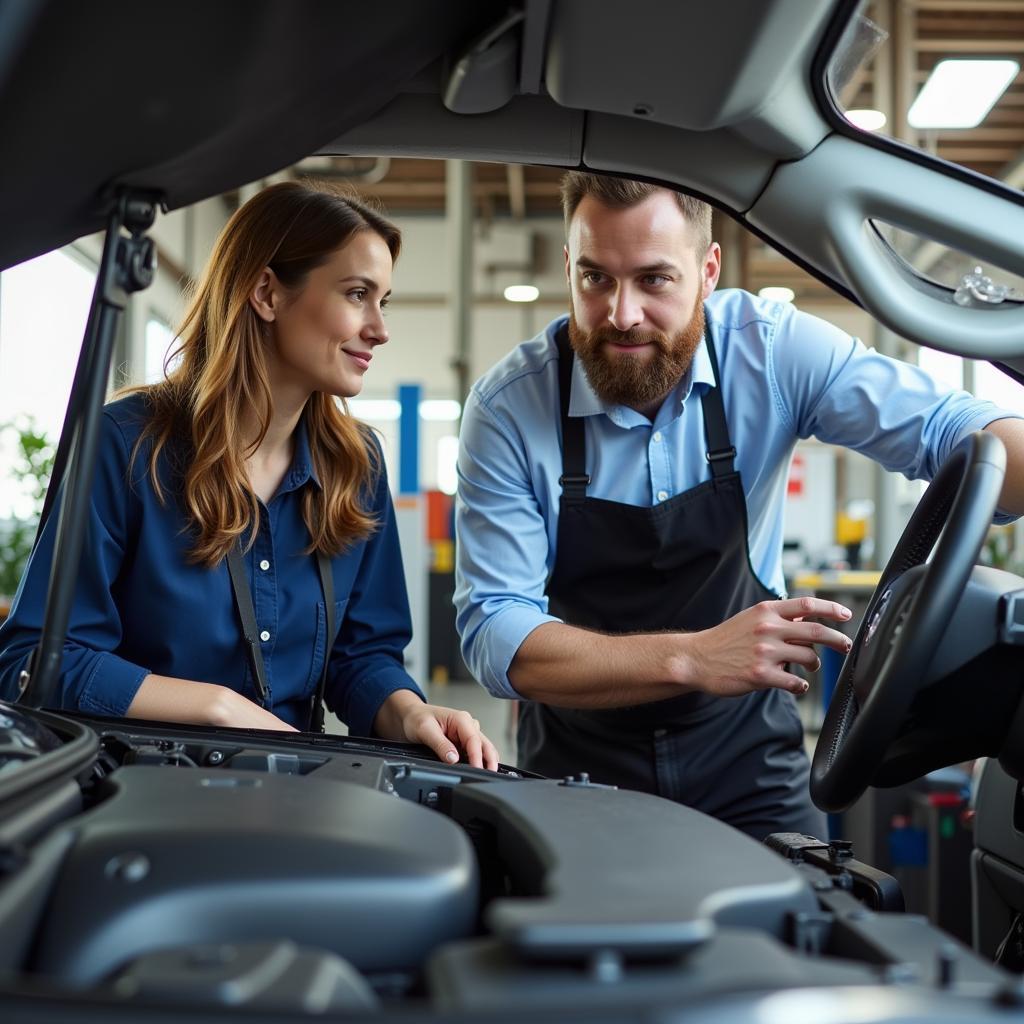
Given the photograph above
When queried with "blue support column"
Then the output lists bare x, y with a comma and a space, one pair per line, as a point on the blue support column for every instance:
410, 517
409, 439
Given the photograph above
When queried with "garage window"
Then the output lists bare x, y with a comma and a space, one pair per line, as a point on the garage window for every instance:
44, 304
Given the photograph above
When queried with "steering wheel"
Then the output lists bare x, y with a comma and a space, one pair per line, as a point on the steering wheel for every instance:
908, 613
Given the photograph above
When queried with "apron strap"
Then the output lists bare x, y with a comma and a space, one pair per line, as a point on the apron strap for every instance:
720, 453
574, 478
250, 631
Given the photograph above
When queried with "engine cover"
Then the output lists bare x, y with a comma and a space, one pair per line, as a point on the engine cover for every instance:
183, 856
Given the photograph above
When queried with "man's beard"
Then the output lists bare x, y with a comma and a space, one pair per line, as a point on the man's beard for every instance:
636, 381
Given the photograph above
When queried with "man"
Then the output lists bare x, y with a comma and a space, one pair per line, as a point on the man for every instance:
622, 482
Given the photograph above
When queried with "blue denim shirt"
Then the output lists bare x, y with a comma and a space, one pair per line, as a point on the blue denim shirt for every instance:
141, 607
785, 375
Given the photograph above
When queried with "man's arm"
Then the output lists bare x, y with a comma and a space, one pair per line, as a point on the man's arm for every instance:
502, 521
516, 649
1011, 433
831, 387
569, 667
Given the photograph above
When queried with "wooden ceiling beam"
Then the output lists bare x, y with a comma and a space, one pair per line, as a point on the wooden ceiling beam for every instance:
436, 189
979, 7
953, 29
969, 155
950, 47
983, 133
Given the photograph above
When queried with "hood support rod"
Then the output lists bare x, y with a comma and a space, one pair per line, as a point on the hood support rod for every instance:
128, 265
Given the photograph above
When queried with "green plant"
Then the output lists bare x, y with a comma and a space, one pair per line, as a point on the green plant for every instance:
32, 456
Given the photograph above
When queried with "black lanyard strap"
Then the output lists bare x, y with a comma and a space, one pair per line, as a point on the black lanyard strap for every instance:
316, 712
247, 614
250, 631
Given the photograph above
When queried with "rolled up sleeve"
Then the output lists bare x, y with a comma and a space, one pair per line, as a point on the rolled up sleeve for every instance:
503, 550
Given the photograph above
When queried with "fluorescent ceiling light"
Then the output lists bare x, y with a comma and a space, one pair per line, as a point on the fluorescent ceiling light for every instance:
777, 294
521, 293
865, 119
375, 408
440, 410
959, 93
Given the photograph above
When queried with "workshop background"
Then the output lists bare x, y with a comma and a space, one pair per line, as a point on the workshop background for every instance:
481, 271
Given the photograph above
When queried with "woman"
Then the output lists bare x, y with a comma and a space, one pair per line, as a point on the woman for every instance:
237, 497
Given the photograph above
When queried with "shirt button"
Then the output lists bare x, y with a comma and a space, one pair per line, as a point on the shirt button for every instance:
662, 495
657, 436
264, 565
265, 635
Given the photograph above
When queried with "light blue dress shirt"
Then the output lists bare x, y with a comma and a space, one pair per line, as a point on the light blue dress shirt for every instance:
785, 375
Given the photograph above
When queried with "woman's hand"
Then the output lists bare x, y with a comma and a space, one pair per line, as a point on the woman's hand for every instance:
403, 716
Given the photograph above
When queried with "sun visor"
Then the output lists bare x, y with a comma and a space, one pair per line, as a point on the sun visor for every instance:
681, 80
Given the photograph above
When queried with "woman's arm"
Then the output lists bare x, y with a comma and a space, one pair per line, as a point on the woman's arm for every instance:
366, 663
166, 699
93, 678
368, 686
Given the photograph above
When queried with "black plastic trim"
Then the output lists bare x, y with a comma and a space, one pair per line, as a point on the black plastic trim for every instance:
67, 761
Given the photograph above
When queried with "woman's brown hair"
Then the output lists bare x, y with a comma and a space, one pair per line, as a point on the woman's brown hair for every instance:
218, 371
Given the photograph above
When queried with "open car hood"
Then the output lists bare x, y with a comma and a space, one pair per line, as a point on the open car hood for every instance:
725, 101
190, 99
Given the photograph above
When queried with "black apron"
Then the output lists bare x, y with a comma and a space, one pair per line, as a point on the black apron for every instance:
681, 565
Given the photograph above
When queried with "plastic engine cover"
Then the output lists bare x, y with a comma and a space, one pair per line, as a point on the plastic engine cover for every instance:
180, 856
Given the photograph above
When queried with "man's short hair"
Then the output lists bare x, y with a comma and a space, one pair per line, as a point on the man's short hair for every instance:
620, 193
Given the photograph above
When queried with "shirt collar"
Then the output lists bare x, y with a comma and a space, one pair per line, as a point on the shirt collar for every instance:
301, 469
701, 370
583, 400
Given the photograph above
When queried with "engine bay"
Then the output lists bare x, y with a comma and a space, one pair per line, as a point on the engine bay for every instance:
148, 865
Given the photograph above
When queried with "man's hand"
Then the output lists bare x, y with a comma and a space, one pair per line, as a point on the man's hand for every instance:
748, 651
403, 716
